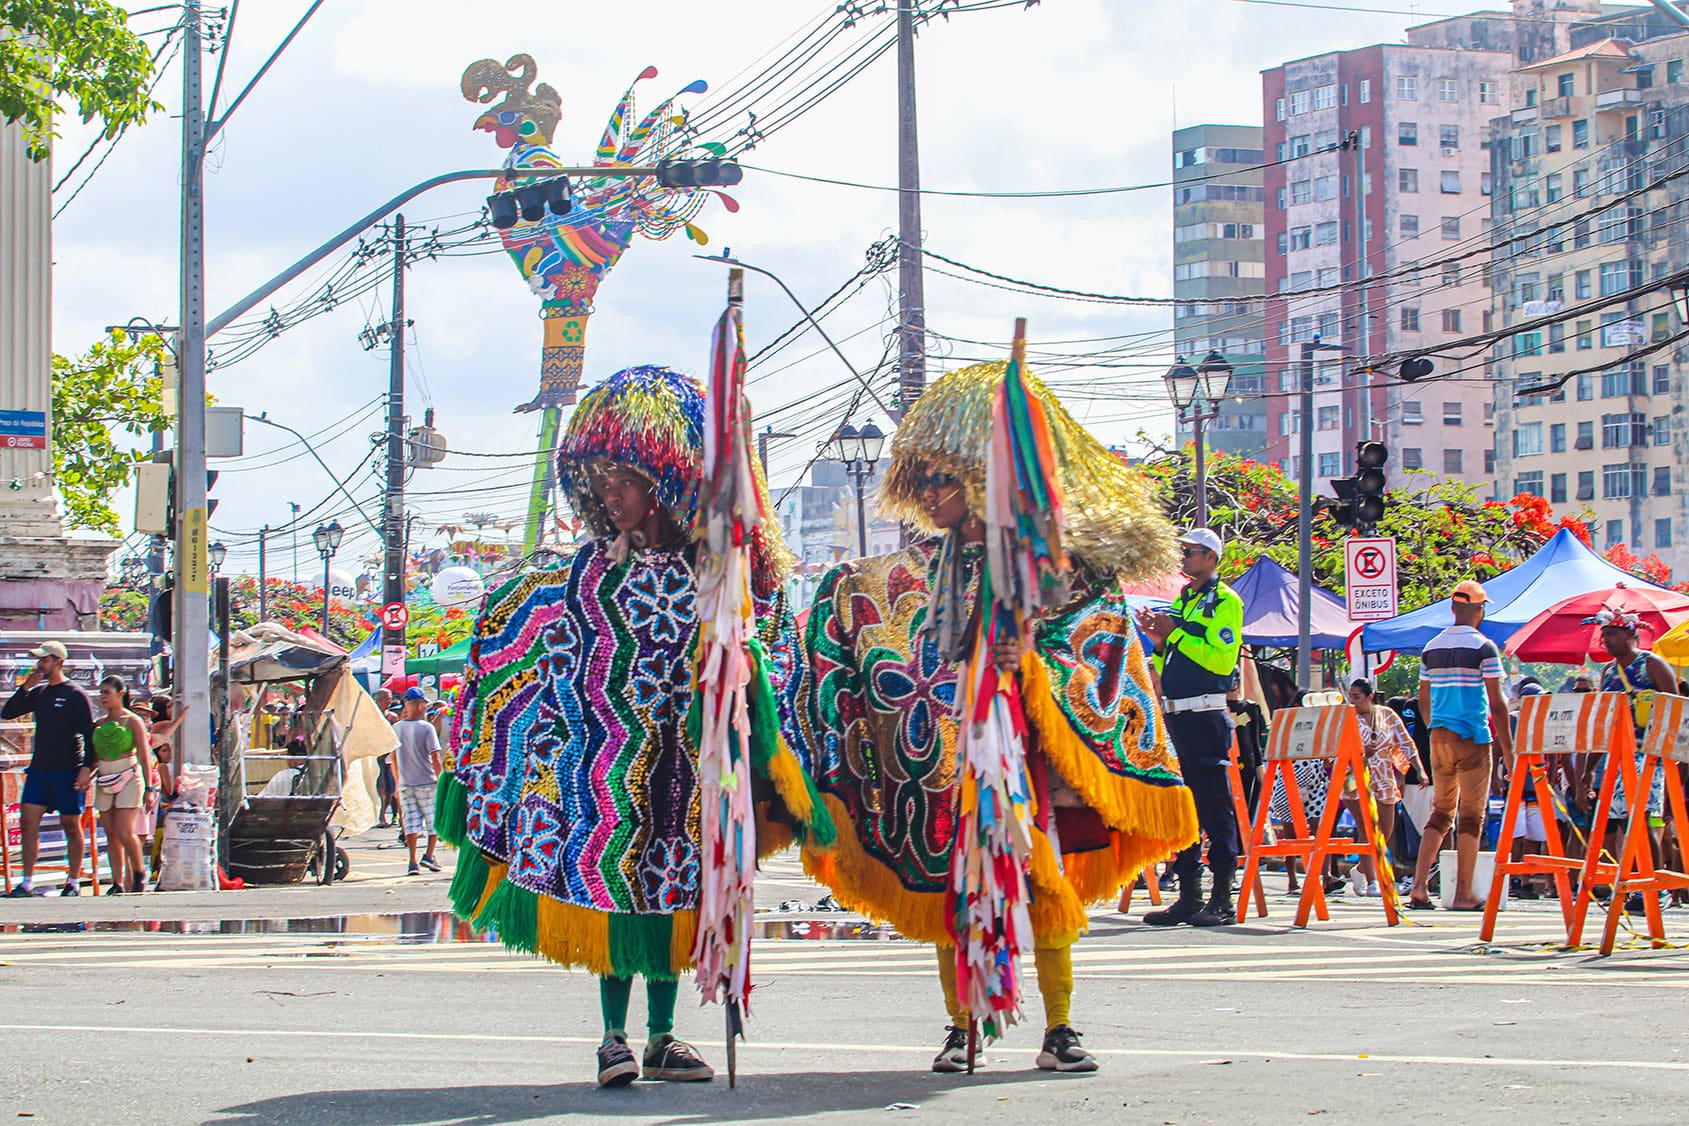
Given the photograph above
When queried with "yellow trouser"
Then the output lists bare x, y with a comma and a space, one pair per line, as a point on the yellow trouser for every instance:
1055, 982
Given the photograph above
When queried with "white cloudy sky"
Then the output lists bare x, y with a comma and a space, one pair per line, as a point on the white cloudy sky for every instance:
1065, 94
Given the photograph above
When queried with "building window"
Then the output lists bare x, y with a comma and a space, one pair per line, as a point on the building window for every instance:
1662, 528
1410, 226
1580, 134
1410, 319
1563, 85
1330, 465
1557, 488
1527, 344
1298, 102
1662, 430
1413, 458
1448, 136
1662, 480
1451, 320
1407, 133
1325, 97
1407, 88
1407, 179
1528, 483
1586, 434
1615, 533
1448, 90
1325, 234
1551, 138
1662, 379
1619, 431
1325, 187
1553, 187
1583, 285
1366, 91
1452, 461
1488, 94
1329, 418
1281, 199
1413, 414
1450, 183
1301, 191
1301, 238
1557, 438
1623, 481
1451, 413
1527, 439
1586, 484
1451, 227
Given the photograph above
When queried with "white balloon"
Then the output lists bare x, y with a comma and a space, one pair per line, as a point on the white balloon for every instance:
457, 586
340, 585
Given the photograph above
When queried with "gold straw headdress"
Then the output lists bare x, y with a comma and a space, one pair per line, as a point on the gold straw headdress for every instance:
1113, 523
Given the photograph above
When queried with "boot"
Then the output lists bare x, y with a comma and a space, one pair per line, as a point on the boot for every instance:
1183, 910
1220, 912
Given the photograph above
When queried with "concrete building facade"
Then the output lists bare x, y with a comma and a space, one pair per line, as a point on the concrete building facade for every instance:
1385, 164
1591, 170
1219, 272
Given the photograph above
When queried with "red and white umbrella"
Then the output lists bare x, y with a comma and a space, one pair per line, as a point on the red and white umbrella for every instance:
1561, 634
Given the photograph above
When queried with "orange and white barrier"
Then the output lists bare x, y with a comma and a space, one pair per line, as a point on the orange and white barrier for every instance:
1665, 745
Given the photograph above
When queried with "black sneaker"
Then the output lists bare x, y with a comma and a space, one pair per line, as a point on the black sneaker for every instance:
21, 892
616, 1065
1180, 912
1062, 1051
953, 1057
413, 870
676, 1061
70, 887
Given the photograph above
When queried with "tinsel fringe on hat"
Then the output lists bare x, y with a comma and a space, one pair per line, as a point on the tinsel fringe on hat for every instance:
651, 419
1113, 522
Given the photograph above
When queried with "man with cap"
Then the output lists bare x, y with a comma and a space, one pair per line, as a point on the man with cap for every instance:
418, 765
1196, 655
1460, 693
62, 767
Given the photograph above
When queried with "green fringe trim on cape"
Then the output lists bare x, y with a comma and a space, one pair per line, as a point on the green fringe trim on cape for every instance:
775, 761
469, 883
514, 913
641, 944
451, 810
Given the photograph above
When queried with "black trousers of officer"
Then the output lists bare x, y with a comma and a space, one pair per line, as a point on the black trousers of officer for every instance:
1203, 740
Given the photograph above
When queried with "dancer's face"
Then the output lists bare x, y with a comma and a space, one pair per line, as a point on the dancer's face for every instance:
629, 498
945, 500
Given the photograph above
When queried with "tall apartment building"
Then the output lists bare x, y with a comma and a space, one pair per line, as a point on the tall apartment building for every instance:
1602, 120
1218, 266
1414, 187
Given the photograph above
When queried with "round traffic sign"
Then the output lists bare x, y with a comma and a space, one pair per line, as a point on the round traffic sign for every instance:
395, 616
1370, 563
1376, 662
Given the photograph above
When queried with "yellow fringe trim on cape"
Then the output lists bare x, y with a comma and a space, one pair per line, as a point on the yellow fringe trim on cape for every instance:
772, 836
868, 887
681, 940
579, 936
786, 772
1162, 818
495, 876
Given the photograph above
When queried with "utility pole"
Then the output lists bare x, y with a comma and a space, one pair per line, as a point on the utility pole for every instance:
1305, 515
263, 576
192, 617
294, 508
393, 520
912, 315
1363, 415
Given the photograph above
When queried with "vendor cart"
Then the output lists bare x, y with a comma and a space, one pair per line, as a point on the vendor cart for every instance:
282, 830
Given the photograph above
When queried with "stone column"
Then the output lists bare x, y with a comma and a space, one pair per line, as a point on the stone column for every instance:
47, 580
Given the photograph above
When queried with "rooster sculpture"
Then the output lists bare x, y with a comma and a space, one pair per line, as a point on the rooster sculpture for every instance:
564, 258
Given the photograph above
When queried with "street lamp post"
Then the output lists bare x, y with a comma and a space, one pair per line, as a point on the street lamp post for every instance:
858, 450
327, 539
1197, 393
217, 553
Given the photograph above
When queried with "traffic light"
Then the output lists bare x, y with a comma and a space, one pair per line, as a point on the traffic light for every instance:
530, 202
1360, 499
1414, 368
698, 173
167, 459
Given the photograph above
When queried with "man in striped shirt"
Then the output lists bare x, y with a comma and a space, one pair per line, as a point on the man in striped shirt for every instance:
1460, 690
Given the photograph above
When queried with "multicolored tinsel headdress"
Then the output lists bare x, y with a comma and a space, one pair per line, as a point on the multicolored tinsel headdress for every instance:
1113, 522
651, 419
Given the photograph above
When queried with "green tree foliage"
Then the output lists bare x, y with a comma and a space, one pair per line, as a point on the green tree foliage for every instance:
71, 51
99, 399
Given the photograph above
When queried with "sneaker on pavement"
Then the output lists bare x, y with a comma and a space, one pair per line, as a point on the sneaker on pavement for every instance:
413, 870
1180, 912
676, 1061
430, 863
1357, 880
1062, 1051
21, 892
616, 1065
953, 1057
70, 887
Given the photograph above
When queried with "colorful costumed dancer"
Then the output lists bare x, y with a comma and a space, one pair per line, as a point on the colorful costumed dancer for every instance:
885, 642
576, 791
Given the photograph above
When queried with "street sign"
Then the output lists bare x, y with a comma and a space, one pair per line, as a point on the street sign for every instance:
394, 616
393, 660
1370, 577
1367, 664
23, 430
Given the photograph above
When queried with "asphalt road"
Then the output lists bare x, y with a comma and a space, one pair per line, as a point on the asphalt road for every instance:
368, 1014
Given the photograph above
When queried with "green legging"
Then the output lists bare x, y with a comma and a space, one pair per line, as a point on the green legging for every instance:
614, 993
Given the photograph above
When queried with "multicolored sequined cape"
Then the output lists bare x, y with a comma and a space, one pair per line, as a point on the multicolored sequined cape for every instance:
881, 712
575, 772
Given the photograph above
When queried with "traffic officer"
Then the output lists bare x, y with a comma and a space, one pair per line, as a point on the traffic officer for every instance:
1196, 654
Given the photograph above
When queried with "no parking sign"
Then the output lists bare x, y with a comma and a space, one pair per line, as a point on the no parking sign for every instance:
1370, 578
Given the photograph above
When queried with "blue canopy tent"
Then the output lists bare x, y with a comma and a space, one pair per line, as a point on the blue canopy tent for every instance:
1561, 568
1270, 604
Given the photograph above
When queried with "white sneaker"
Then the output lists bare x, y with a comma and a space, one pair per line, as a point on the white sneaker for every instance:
1372, 891
1357, 880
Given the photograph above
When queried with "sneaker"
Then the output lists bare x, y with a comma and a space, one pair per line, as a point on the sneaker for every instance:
1168, 882
1357, 880
70, 887
1180, 912
430, 863
413, 870
1062, 1052
953, 1057
616, 1065
21, 892
676, 1061
1372, 891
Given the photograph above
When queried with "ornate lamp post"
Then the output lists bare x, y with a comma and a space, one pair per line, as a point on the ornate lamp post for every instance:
858, 450
327, 539
1197, 393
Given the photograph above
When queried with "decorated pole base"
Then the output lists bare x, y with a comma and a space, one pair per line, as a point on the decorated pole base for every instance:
562, 362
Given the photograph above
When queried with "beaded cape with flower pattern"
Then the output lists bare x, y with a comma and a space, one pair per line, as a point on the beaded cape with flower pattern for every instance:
575, 759
881, 704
